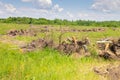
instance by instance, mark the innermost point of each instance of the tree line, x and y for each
(43, 21)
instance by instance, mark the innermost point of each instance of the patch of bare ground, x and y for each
(38, 44)
(112, 72)
(9, 40)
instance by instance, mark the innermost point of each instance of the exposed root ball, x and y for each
(109, 49)
(71, 45)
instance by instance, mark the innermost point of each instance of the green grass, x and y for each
(45, 65)
(48, 64)
(6, 27)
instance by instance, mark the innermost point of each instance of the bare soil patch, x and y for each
(111, 71)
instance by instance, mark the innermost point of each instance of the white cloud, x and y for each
(1, 12)
(70, 15)
(26, 0)
(45, 4)
(57, 8)
(89, 16)
(7, 8)
(32, 11)
(10, 8)
(83, 15)
(97, 16)
(42, 4)
(106, 5)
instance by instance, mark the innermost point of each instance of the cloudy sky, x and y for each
(64, 9)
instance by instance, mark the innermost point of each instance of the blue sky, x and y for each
(99, 10)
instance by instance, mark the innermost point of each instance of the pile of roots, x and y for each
(38, 44)
(21, 32)
(71, 45)
(67, 47)
(110, 72)
(109, 49)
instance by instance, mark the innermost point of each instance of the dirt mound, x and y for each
(71, 45)
(84, 30)
(110, 71)
(92, 30)
(68, 29)
(21, 32)
(38, 44)
(67, 48)
(109, 48)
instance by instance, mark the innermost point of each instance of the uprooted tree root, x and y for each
(109, 49)
(73, 46)
(110, 71)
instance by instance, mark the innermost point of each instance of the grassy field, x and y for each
(48, 64)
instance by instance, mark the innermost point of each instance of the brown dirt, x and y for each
(21, 32)
(10, 40)
(111, 71)
(84, 30)
(38, 44)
